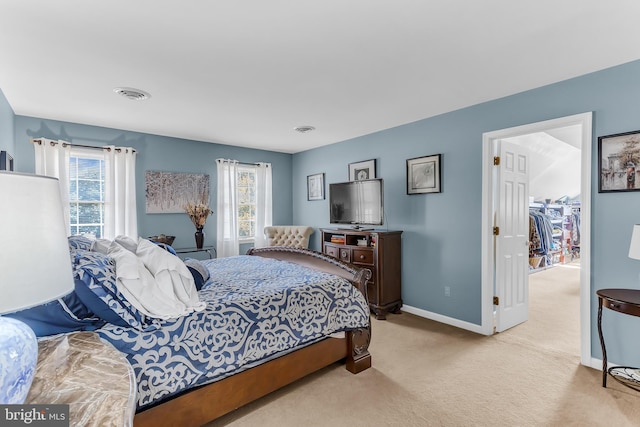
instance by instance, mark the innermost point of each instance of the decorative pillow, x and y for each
(101, 245)
(97, 289)
(80, 242)
(198, 271)
(66, 314)
(127, 242)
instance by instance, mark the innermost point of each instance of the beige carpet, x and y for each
(428, 374)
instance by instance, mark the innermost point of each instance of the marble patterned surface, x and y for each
(90, 375)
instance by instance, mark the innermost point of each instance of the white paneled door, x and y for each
(512, 241)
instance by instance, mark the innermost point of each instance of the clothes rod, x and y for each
(68, 144)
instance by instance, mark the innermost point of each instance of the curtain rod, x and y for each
(243, 163)
(65, 144)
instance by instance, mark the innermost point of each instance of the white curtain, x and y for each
(120, 214)
(263, 202)
(52, 159)
(227, 243)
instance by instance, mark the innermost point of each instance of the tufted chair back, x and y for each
(288, 235)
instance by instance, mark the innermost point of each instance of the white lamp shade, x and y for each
(634, 247)
(35, 266)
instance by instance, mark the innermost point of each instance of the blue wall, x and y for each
(442, 232)
(166, 154)
(6, 125)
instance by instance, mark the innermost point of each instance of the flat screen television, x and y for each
(357, 203)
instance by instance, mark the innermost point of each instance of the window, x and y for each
(86, 193)
(246, 203)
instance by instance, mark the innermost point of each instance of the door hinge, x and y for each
(496, 231)
(496, 160)
(496, 301)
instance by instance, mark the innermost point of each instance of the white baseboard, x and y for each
(444, 319)
(597, 364)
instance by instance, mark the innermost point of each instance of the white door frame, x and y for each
(488, 253)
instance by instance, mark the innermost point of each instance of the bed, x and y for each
(272, 316)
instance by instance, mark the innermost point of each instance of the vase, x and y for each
(18, 358)
(199, 238)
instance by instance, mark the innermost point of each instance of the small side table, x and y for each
(210, 250)
(88, 374)
(625, 301)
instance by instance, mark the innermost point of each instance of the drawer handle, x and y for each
(615, 305)
(343, 253)
(362, 256)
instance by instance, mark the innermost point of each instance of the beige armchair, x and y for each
(288, 235)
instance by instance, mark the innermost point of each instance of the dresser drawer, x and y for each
(345, 254)
(362, 256)
(331, 251)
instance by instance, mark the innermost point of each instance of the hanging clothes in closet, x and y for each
(575, 231)
(541, 234)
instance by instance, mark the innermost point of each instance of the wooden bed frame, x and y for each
(206, 403)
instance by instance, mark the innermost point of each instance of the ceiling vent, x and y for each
(132, 94)
(304, 129)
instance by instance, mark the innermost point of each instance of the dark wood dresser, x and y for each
(379, 251)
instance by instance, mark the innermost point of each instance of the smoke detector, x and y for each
(132, 94)
(304, 129)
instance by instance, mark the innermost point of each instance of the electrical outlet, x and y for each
(447, 291)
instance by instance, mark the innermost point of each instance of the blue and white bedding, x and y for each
(256, 309)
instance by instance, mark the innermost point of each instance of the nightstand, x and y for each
(90, 375)
(625, 301)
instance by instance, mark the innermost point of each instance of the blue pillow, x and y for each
(80, 242)
(66, 314)
(96, 287)
(198, 271)
(166, 247)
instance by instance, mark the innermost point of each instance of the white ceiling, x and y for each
(246, 72)
(554, 162)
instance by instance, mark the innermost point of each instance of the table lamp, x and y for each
(634, 247)
(35, 268)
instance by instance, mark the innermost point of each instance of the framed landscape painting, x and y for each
(619, 162)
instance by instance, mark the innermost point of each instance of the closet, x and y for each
(554, 234)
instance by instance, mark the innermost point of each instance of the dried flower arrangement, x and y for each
(198, 212)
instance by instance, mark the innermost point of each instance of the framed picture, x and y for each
(423, 175)
(169, 192)
(315, 187)
(6, 161)
(362, 170)
(619, 162)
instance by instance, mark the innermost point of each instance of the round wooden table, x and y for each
(625, 301)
